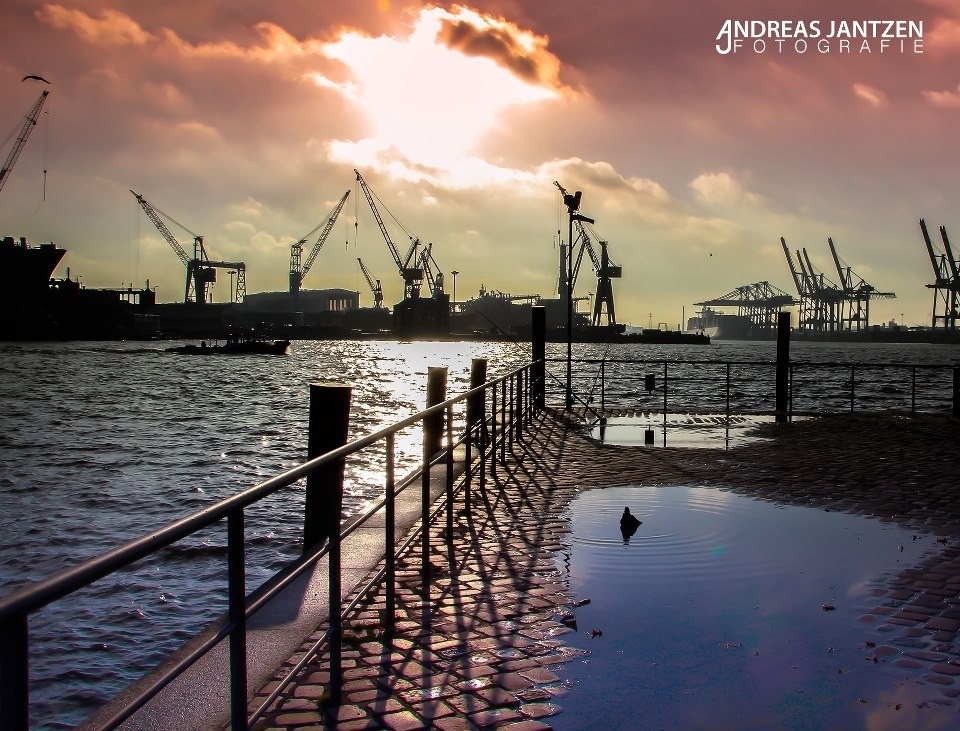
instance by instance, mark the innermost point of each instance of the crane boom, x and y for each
(801, 290)
(375, 288)
(25, 129)
(297, 273)
(154, 214)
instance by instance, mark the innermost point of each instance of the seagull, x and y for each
(34, 76)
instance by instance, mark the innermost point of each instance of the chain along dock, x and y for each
(382, 624)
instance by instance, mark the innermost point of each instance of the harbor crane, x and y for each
(201, 270)
(412, 275)
(431, 271)
(819, 297)
(375, 288)
(604, 268)
(298, 272)
(857, 293)
(946, 285)
(29, 122)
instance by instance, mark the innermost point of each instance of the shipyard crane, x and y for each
(946, 285)
(431, 271)
(602, 266)
(412, 275)
(201, 271)
(29, 122)
(857, 292)
(375, 288)
(298, 272)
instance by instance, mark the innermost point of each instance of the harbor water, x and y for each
(104, 442)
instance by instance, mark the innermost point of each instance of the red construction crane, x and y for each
(201, 271)
(297, 272)
(29, 122)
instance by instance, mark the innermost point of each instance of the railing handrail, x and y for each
(37, 595)
(721, 361)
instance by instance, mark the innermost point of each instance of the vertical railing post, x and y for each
(664, 403)
(14, 673)
(727, 439)
(476, 405)
(783, 366)
(236, 609)
(493, 431)
(328, 425)
(603, 385)
(390, 536)
(538, 346)
(432, 441)
(512, 409)
(852, 385)
(503, 421)
(913, 389)
(449, 480)
(956, 391)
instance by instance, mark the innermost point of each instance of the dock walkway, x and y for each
(477, 647)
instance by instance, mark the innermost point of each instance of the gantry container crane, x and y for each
(946, 285)
(374, 288)
(857, 293)
(298, 272)
(412, 275)
(29, 122)
(201, 271)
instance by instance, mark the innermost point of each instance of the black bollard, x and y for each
(783, 367)
(538, 347)
(329, 421)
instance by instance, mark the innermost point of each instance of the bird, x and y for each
(628, 521)
(34, 76)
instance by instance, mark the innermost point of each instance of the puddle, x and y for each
(723, 611)
(680, 430)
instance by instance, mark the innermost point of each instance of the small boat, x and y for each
(237, 345)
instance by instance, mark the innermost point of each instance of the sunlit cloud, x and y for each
(870, 94)
(432, 96)
(943, 98)
(111, 27)
(721, 189)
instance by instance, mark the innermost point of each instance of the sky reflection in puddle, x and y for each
(713, 617)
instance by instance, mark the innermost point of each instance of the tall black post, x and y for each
(569, 391)
(538, 347)
(329, 420)
(783, 366)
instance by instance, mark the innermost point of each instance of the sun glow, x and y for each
(431, 102)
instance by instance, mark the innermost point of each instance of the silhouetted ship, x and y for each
(35, 306)
(26, 270)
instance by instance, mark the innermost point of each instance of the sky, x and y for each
(244, 122)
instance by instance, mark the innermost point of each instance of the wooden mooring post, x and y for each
(783, 367)
(328, 426)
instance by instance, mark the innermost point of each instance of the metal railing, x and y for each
(749, 387)
(491, 433)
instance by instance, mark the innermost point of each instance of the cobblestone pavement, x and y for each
(478, 647)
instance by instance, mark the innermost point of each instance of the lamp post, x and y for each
(572, 202)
